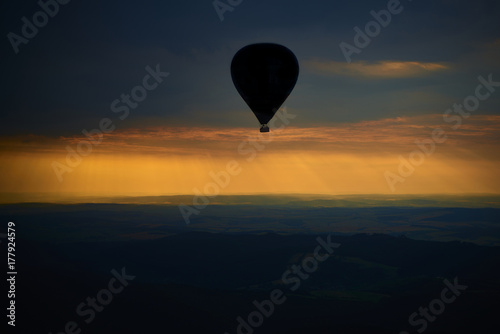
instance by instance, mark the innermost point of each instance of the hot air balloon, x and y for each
(264, 74)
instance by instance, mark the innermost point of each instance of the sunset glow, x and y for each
(343, 159)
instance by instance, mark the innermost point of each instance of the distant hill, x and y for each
(100, 222)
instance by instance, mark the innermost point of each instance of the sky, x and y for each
(347, 128)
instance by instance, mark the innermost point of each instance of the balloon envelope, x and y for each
(264, 75)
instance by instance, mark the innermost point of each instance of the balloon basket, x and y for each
(264, 128)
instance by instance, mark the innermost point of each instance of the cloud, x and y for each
(383, 69)
(388, 134)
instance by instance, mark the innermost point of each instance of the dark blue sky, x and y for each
(91, 52)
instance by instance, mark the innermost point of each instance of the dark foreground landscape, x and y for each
(99, 268)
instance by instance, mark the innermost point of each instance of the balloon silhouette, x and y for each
(264, 75)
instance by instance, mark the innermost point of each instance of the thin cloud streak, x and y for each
(396, 133)
(381, 70)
